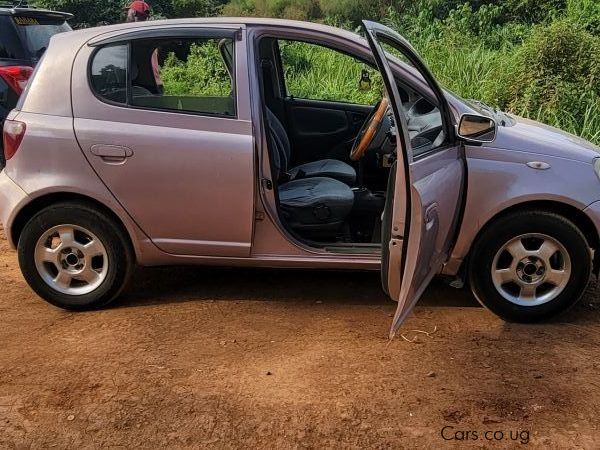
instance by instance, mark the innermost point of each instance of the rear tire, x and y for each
(529, 266)
(74, 256)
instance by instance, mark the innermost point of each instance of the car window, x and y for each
(10, 46)
(316, 72)
(35, 32)
(182, 74)
(109, 73)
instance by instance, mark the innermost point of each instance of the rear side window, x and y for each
(193, 75)
(109, 73)
(183, 75)
(35, 32)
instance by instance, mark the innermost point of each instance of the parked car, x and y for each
(117, 154)
(24, 36)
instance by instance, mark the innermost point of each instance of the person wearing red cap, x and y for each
(138, 11)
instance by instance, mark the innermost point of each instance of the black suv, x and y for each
(24, 35)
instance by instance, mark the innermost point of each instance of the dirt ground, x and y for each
(229, 358)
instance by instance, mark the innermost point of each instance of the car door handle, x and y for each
(431, 215)
(111, 152)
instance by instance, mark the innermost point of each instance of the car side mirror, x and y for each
(476, 128)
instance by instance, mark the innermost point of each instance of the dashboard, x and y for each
(424, 128)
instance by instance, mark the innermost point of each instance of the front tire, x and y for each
(74, 256)
(529, 266)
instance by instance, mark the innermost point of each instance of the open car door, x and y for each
(422, 206)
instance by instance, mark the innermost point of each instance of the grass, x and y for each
(318, 73)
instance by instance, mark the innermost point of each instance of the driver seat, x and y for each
(314, 207)
(330, 168)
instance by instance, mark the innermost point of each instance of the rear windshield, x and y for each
(35, 32)
(10, 45)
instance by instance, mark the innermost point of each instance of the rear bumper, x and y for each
(12, 197)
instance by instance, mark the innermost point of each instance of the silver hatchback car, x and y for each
(191, 142)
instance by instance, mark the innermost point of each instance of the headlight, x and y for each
(597, 167)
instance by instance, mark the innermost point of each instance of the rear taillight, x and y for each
(16, 77)
(12, 136)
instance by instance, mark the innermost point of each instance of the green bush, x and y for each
(554, 77)
(353, 11)
(524, 11)
(289, 9)
(586, 13)
(319, 73)
(202, 74)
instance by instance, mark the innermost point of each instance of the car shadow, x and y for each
(184, 284)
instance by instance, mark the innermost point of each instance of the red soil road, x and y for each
(229, 358)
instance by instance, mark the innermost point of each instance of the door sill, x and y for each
(352, 249)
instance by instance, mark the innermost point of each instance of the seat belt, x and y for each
(267, 70)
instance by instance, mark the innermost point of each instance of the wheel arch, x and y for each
(43, 201)
(570, 212)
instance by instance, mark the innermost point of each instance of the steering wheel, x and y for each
(369, 130)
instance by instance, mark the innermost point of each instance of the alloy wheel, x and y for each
(531, 269)
(71, 259)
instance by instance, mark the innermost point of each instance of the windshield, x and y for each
(501, 118)
(35, 32)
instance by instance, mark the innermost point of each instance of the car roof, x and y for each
(91, 33)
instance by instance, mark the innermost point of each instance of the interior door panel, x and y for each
(418, 231)
(321, 129)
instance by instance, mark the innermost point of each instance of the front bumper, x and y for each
(593, 212)
(12, 198)
(2, 160)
